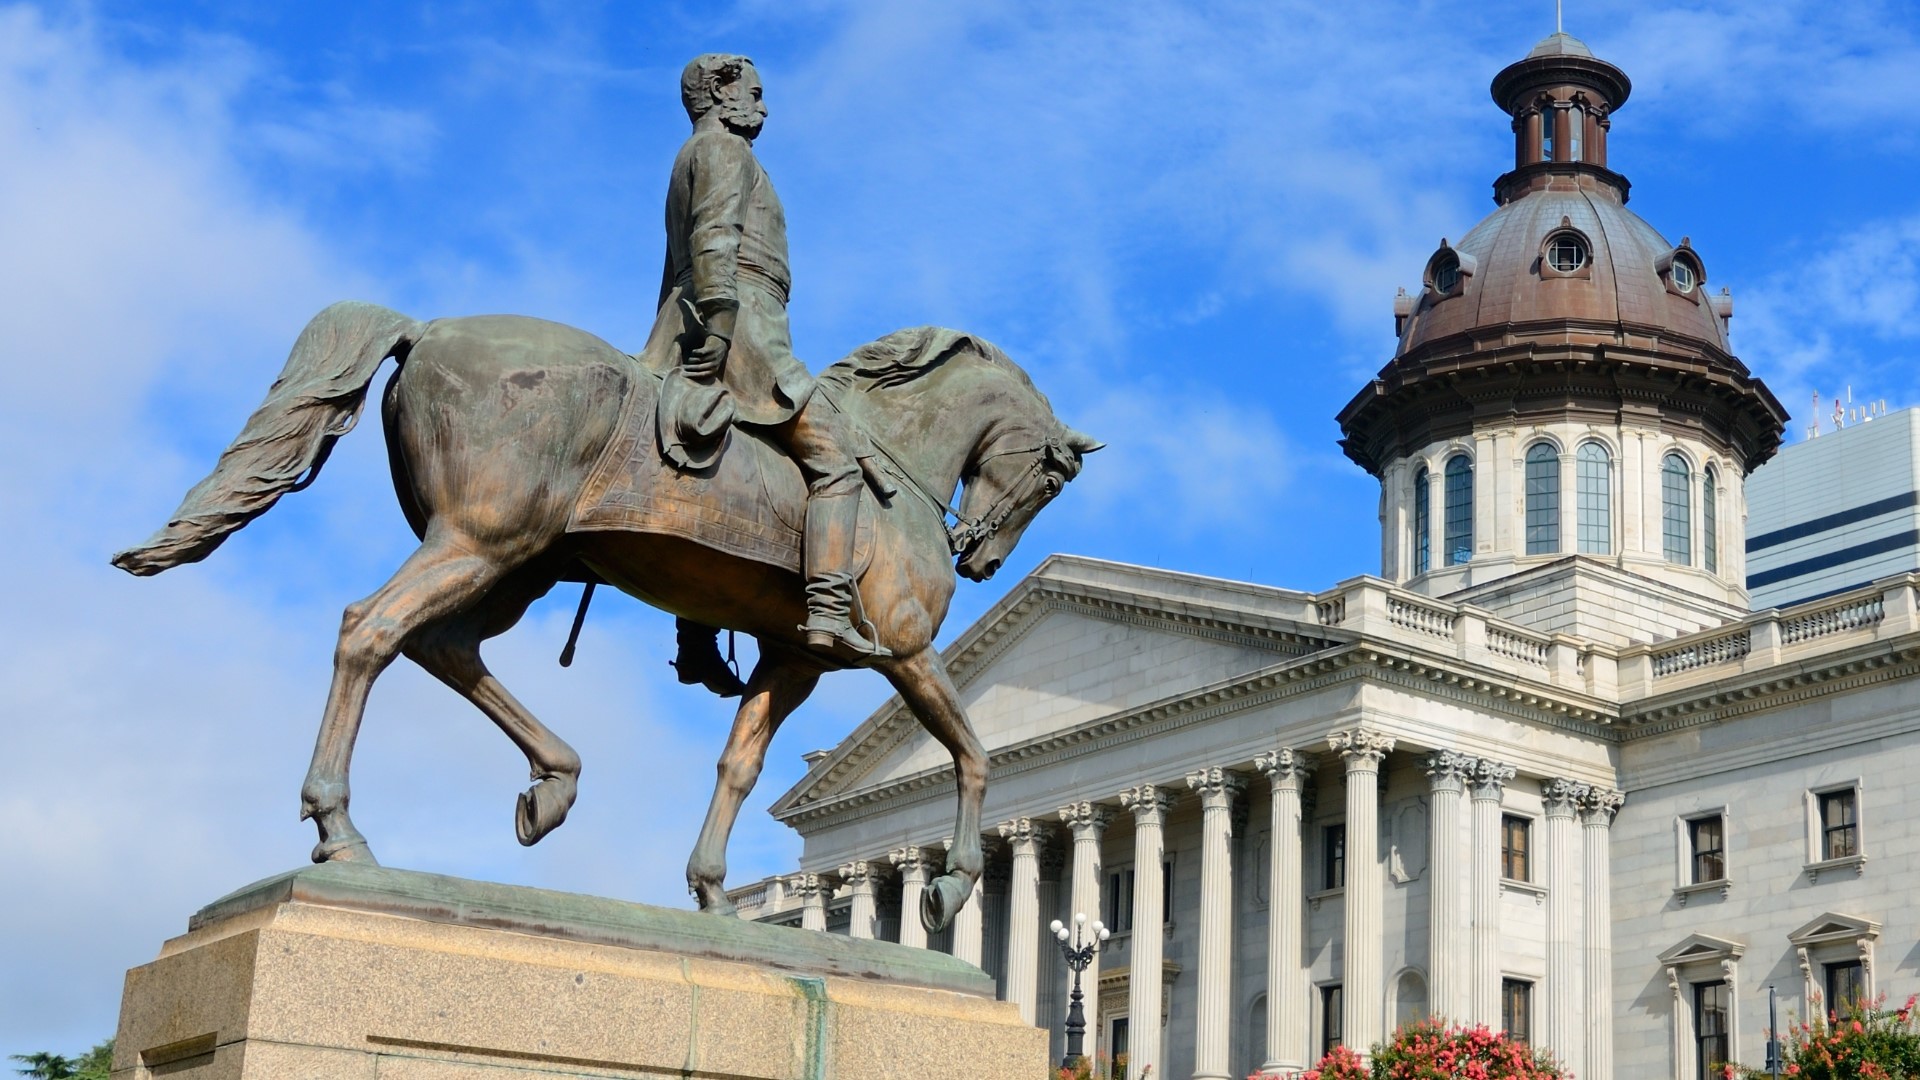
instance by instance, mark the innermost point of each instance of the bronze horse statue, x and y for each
(495, 426)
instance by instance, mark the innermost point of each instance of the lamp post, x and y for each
(1077, 946)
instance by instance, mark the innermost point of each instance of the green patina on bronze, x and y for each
(599, 921)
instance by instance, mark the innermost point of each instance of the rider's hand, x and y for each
(705, 363)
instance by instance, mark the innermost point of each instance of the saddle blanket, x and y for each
(750, 502)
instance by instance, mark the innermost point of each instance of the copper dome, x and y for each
(1562, 303)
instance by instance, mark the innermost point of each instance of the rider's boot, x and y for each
(700, 661)
(831, 520)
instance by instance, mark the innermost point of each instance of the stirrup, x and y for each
(843, 643)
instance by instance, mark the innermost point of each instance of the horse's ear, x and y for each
(1082, 443)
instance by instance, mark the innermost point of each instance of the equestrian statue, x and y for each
(708, 475)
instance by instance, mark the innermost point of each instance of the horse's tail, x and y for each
(316, 399)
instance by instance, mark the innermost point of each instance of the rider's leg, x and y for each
(818, 438)
(699, 660)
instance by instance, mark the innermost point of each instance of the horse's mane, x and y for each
(907, 355)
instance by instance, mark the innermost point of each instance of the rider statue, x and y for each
(727, 258)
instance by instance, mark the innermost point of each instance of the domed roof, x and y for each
(1560, 43)
(1625, 278)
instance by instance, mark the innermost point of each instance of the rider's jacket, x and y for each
(727, 240)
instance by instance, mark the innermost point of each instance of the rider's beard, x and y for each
(743, 120)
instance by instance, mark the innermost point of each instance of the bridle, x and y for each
(968, 533)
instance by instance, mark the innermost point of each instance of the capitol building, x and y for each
(1548, 771)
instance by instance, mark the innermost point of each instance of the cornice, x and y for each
(1775, 687)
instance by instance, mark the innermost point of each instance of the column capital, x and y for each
(1025, 835)
(861, 874)
(807, 886)
(1449, 770)
(1490, 777)
(1086, 819)
(1563, 797)
(1363, 748)
(912, 862)
(1216, 787)
(1149, 803)
(1286, 768)
(1599, 806)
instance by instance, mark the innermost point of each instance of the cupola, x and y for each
(1564, 399)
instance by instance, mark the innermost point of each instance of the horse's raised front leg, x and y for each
(450, 651)
(777, 687)
(922, 681)
(442, 577)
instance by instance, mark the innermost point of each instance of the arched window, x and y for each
(1422, 522)
(1676, 510)
(1458, 543)
(1709, 522)
(1543, 499)
(1576, 132)
(1594, 476)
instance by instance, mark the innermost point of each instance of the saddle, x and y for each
(749, 501)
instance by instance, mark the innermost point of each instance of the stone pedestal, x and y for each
(342, 972)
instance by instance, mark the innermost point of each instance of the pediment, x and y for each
(1834, 927)
(1702, 948)
(1075, 641)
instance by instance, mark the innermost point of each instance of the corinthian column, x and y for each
(1088, 823)
(1562, 798)
(1489, 779)
(1363, 980)
(1219, 791)
(1447, 949)
(859, 877)
(812, 890)
(1287, 1003)
(1596, 818)
(969, 924)
(1023, 918)
(1149, 805)
(912, 863)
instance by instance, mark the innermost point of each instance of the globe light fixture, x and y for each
(1077, 946)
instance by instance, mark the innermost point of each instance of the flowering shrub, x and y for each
(1431, 1050)
(1098, 1067)
(1861, 1042)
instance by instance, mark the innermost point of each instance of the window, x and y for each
(1708, 836)
(1576, 131)
(1839, 824)
(1566, 252)
(1514, 847)
(1516, 1009)
(1846, 986)
(1594, 475)
(1331, 1004)
(1712, 1005)
(1543, 500)
(1333, 857)
(1546, 135)
(1120, 900)
(1459, 539)
(1422, 521)
(1683, 276)
(1446, 274)
(1676, 511)
(1709, 521)
(1117, 1046)
(1166, 891)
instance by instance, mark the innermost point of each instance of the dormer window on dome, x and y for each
(1681, 271)
(1448, 271)
(1566, 252)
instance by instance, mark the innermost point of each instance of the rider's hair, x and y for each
(703, 74)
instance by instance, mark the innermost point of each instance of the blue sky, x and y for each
(1187, 221)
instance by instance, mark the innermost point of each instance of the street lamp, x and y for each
(1077, 945)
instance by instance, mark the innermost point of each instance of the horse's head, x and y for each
(1019, 469)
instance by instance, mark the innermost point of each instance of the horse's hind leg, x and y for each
(921, 679)
(776, 688)
(443, 576)
(450, 651)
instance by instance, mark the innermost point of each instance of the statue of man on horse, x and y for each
(727, 276)
(708, 475)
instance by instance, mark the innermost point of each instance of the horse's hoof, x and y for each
(351, 849)
(542, 807)
(942, 900)
(721, 906)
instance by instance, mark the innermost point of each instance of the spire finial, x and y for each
(1559, 26)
